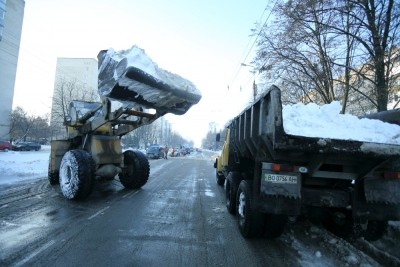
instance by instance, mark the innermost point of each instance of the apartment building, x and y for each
(11, 19)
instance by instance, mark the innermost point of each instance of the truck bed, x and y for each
(258, 133)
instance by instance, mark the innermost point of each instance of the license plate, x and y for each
(280, 179)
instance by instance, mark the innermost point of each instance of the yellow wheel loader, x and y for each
(92, 150)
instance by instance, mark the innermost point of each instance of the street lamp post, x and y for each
(254, 81)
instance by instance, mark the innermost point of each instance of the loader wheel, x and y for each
(77, 174)
(375, 230)
(231, 187)
(136, 171)
(250, 221)
(53, 176)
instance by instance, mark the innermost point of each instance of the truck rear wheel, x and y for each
(250, 221)
(231, 187)
(76, 174)
(136, 170)
(218, 175)
(220, 178)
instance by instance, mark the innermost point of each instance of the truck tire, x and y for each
(53, 176)
(340, 223)
(274, 225)
(220, 178)
(250, 221)
(136, 170)
(231, 187)
(218, 175)
(77, 174)
(375, 230)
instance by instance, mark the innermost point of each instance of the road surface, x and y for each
(177, 219)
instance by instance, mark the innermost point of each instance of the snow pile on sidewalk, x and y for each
(326, 121)
(18, 166)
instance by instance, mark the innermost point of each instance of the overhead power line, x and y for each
(254, 42)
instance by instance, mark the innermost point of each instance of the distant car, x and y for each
(155, 152)
(176, 152)
(26, 146)
(5, 146)
(184, 151)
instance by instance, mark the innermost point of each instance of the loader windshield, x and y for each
(82, 108)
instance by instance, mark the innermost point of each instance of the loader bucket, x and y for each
(131, 77)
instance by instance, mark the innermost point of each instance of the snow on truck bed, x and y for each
(326, 121)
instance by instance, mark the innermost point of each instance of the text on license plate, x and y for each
(281, 179)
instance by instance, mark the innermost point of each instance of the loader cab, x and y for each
(81, 113)
(79, 110)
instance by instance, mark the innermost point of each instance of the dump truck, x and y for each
(134, 92)
(272, 177)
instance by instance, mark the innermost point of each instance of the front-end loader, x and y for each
(92, 150)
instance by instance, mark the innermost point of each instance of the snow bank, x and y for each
(326, 121)
(19, 166)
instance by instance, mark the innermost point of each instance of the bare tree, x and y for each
(377, 35)
(329, 50)
(25, 127)
(150, 134)
(19, 124)
(298, 52)
(142, 136)
(39, 128)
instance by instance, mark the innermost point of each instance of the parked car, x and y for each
(5, 146)
(26, 146)
(155, 152)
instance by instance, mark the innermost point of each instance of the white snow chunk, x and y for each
(136, 57)
(318, 254)
(326, 121)
(351, 259)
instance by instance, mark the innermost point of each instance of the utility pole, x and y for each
(254, 79)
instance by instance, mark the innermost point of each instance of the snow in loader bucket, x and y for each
(131, 77)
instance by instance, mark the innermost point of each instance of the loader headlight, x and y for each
(68, 118)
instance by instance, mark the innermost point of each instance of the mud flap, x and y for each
(382, 190)
(286, 185)
(377, 199)
(280, 193)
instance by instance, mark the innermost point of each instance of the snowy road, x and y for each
(177, 219)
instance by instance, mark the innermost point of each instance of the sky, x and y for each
(202, 41)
